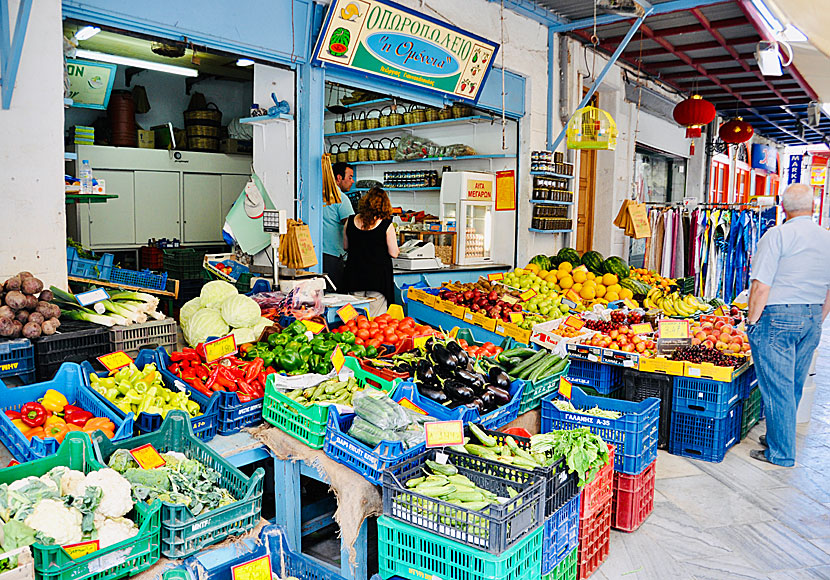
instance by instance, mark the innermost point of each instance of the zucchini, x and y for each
(521, 352)
(540, 370)
(514, 372)
(555, 369)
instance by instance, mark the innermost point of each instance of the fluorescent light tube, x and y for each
(87, 32)
(244, 62)
(127, 61)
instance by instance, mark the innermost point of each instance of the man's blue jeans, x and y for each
(783, 341)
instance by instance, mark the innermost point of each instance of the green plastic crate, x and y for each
(413, 553)
(564, 570)
(182, 533)
(752, 411)
(126, 558)
(535, 391)
(183, 263)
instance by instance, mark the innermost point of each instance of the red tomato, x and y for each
(462, 343)
(373, 326)
(364, 334)
(359, 341)
(392, 338)
(498, 350)
(375, 342)
(488, 345)
(382, 318)
(409, 320)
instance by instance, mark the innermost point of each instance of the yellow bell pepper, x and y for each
(54, 420)
(54, 401)
(24, 428)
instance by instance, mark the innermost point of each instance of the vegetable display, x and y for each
(142, 391)
(531, 365)
(218, 310)
(329, 392)
(584, 452)
(179, 481)
(509, 452)
(442, 481)
(53, 416)
(26, 309)
(382, 329)
(379, 418)
(123, 308)
(245, 378)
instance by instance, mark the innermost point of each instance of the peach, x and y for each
(725, 337)
(720, 324)
(695, 341)
(727, 328)
(701, 336)
(706, 325)
(709, 344)
(745, 347)
(734, 348)
(736, 340)
(720, 345)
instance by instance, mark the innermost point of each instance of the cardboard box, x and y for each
(662, 366)
(146, 139)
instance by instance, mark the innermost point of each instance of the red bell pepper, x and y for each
(76, 416)
(253, 369)
(197, 384)
(243, 398)
(12, 415)
(33, 414)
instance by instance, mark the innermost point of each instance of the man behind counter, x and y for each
(334, 220)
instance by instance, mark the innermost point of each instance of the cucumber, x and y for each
(555, 369)
(542, 362)
(527, 363)
(521, 352)
(541, 369)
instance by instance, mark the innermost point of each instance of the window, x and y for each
(719, 182)
(742, 175)
(660, 177)
(760, 184)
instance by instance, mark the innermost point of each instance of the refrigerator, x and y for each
(467, 205)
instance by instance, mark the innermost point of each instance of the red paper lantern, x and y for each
(694, 113)
(736, 131)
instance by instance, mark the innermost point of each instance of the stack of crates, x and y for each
(753, 409)
(604, 379)
(595, 507)
(184, 265)
(639, 386)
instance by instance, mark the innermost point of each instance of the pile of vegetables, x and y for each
(142, 391)
(487, 349)
(218, 310)
(329, 392)
(444, 373)
(442, 481)
(568, 407)
(508, 452)
(26, 309)
(585, 453)
(378, 418)
(179, 481)
(531, 365)
(124, 307)
(53, 416)
(245, 378)
(13, 535)
(383, 329)
(65, 506)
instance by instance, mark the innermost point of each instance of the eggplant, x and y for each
(478, 405)
(425, 372)
(432, 393)
(444, 372)
(444, 358)
(457, 391)
(502, 396)
(473, 380)
(454, 347)
(404, 367)
(462, 360)
(498, 378)
(488, 399)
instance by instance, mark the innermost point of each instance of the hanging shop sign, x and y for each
(818, 175)
(506, 190)
(794, 171)
(764, 157)
(385, 39)
(90, 83)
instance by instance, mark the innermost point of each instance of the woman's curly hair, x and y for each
(375, 205)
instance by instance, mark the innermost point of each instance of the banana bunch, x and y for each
(673, 305)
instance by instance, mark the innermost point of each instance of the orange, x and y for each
(566, 282)
(579, 276)
(609, 279)
(626, 293)
(588, 293)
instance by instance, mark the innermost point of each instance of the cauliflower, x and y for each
(117, 499)
(71, 481)
(114, 530)
(33, 484)
(54, 520)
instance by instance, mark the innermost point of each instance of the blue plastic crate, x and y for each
(17, 359)
(561, 535)
(204, 426)
(699, 437)
(602, 377)
(635, 434)
(143, 279)
(272, 541)
(749, 380)
(232, 414)
(90, 269)
(706, 397)
(368, 462)
(69, 382)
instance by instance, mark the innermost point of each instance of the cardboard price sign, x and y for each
(257, 569)
(147, 456)
(115, 360)
(527, 295)
(495, 277)
(92, 296)
(565, 387)
(516, 317)
(81, 549)
(313, 327)
(220, 348)
(444, 433)
(411, 406)
(574, 322)
(644, 328)
(673, 328)
(337, 359)
(347, 313)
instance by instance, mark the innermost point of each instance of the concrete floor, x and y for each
(740, 518)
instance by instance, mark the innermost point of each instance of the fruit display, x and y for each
(26, 309)
(702, 354)
(491, 303)
(486, 349)
(652, 278)
(53, 416)
(716, 333)
(675, 305)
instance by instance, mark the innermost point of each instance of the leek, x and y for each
(87, 315)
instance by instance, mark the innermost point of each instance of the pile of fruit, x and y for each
(382, 330)
(652, 278)
(701, 354)
(491, 304)
(675, 305)
(622, 338)
(487, 349)
(718, 334)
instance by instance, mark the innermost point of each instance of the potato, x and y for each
(18, 329)
(31, 302)
(50, 326)
(12, 283)
(16, 300)
(56, 311)
(6, 312)
(6, 327)
(22, 316)
(32, 330)
(44, 308)
(31, 285)
(24, 274)
(37, 317)
(46, 296)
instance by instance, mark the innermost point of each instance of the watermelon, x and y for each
(636, 286)
(593, 261)
(617, 266)
(542, 261)
(569, 255)
(554, 261)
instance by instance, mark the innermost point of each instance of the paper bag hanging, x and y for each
(296, 248)
(622, 215)
(640, 226)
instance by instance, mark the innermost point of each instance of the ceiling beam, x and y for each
(675, 30)
(664, 8)
(693, 73)
(703, 45)
(704, 60)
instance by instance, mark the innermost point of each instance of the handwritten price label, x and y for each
(92, 296)
(220, 348)
(258, 569)
(337, 359)
(444, 433)
(674, 328)
(147, 456)
(574, 322)
(565, 387)
(115, 360)
(499, 276)
(313, 327)
(81, 549)
(346, 313)
(527, 294)
(516, 317)
(411, 406)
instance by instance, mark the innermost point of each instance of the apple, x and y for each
(734, 348)
(614, 334)
(614, 346)
(734, 311)
(624, 340)
(640, 346)
(624, 329)
(628, 347)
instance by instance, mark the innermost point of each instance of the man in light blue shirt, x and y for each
(788, 301)
(334, 220)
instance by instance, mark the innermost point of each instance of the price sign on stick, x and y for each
(644, 328)
(673, 328)
(574, 322)
(313, 327)
(444, 433)
(565, 387)
(527, 294)
(257, 569)
(147, 456)
(220, 348)
(346, 313)
(92, 296)
(337, 359)
(498, 276)
(81, 549)
(115, 360)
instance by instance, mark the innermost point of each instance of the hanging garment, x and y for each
(668, 244)
(658, 242)
(679, 256)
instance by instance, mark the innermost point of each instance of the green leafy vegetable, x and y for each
(584, 452)
(568, 407)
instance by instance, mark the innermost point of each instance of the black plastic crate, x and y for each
(75, 341)
(639, 386)
(183, 263)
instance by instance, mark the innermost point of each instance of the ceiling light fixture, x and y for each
(244, 62)
(86, 32)
(146, 64)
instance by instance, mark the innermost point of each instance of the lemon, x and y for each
(592, 276)
(551, 278)
(565, 267)
(611, 296)
(579, 276)
(609, 279)
(542, 273)
(626, 293)
(566, 282)
(533, 268)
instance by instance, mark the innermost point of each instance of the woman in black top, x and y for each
(372, 243)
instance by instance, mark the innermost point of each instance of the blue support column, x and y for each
(551, 70)
(10, 52)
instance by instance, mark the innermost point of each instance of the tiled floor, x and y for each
(740, 518)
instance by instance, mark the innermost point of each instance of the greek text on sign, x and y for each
(444, 433)
(220, 348)
(480, 189)
(347, 312)
(574, 322)
(495, 277)
(257, 569)
(385, 39)
(337, 359)
(81, 549)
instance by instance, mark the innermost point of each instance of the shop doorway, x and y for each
(587, 194)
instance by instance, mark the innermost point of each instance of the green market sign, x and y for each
(90, 83)
(385, 39)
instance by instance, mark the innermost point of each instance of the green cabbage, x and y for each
(239, 311)
(188, 309)
(205, 323)
(243, 335)
(261, 325)
(214, 293)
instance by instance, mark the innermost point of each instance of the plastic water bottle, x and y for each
(86, 178)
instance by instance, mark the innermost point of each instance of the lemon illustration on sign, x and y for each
(339, 42)
(96, 82)
(350, 12)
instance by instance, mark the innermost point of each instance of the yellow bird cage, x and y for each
(592, 128)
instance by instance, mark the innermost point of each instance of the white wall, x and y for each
(33, 236)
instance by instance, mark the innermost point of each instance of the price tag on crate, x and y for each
(574, 322)
(497, 277)
(673, 328)
(565, 387)
(337, 359)
(516, 317)
(404, 402)
(420, 341)
(569, 303)
(644, 328)
(313, 327)
(147, 456)
(257, 569)
(444, 433)
(115, 360)
(346, 313)
(92, 296)
(527, 295)
(220, 348)
(509, 299)
(81, 549)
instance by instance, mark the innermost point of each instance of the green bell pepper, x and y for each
(371, 351)
(293, 345)
(305, 352)
(322, 346)
(358, 350)
(268, 357)
(290, 360)
(296, 328)
(347, 337)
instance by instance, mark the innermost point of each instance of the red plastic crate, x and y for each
(594, 540)
(600, 491)
(633, 499)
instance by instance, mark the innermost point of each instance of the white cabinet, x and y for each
(232, 186)
(156, 205)
(202, 201)
(111, 223)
